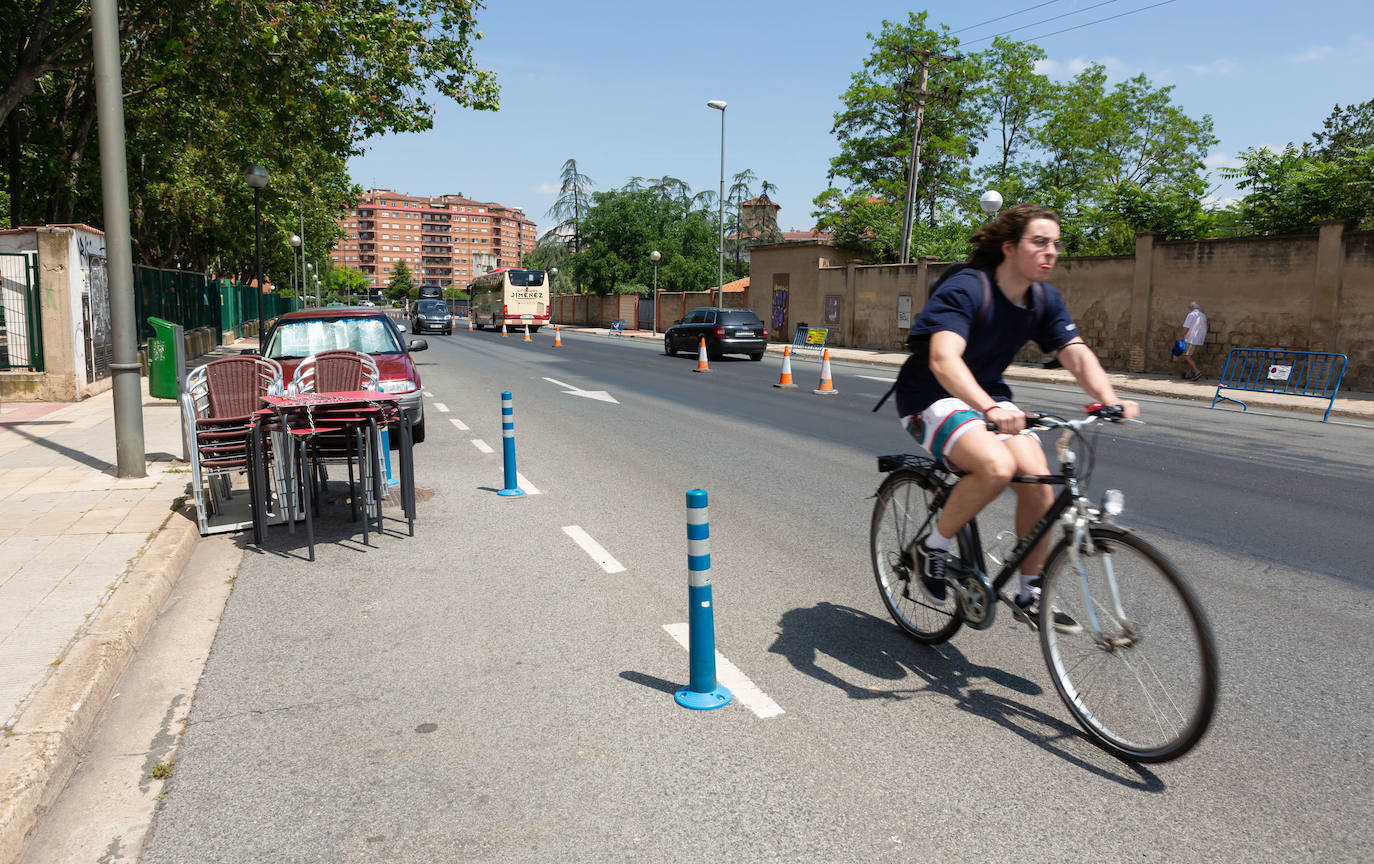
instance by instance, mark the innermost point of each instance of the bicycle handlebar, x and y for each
(1096, 411)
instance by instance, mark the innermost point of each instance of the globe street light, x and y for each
(991, 202)
(296, 282)
(256, 176)
(719, 105)
(653, 325)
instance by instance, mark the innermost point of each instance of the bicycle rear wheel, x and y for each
(1140, 673)
(899, 517)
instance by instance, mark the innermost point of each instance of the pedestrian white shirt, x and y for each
(1196, 323)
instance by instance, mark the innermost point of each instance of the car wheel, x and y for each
(668, 346)
(417, 431)
(758, 356)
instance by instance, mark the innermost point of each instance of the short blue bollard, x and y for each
(386, 458)
(512, 488)
(702, 692)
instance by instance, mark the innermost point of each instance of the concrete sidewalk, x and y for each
(1358, 406)
(86, 562)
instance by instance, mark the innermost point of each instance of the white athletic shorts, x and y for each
(944, 421)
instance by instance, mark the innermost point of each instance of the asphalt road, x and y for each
(489, 691)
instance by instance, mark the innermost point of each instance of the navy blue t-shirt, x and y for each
(994, 342)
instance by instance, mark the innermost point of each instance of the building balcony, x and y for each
(367, 258)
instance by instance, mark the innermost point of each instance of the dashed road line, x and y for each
(525, 484)
(462, 427)
(482, 445)
(594, 549)
(727, 673)
(441, 407)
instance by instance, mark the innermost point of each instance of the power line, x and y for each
(1108, 18)
(1004, 17)
(1046, 21)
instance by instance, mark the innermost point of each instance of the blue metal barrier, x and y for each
(617, 327)
(1317, 374)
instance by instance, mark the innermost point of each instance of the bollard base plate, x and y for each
(717, 698)
(511, 493)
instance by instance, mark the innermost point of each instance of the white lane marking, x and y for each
(727, 673)
(877, 378)
(462, 427)
(599, 395)
(482, 445)
(525, 484)
(441, 407)
(594, 549)
(429, 394)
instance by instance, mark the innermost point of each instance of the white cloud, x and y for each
(1221, 160)
(1222, 67)
(547, 188)
(1117, 69)
(1311, 55)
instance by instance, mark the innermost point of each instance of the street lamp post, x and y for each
(991, 202)
(297, 282)
(719, 105)
(653, 325)
(256, 176)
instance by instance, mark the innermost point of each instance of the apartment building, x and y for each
(445, 240)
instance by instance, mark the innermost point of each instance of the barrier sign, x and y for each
(809, 339)
(1279, 373)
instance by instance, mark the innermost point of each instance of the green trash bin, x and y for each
(166, 359)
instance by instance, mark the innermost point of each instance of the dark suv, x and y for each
(431, 315)
(726, 331)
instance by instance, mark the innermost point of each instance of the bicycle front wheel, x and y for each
(1138, 667)
(900, 517)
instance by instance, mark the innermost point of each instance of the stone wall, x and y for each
(1311, 292)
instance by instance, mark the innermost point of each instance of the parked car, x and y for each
(727, 331)
(431, 315)
(296, 335)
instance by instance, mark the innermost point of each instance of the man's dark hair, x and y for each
(1008, 227)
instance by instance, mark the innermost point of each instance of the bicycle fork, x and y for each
(1077, 523)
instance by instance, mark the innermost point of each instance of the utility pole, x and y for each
(914, 169)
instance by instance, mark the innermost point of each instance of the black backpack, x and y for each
(920, 344)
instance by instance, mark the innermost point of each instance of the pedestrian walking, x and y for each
(1194, 334)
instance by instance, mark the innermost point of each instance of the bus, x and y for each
(510, 296)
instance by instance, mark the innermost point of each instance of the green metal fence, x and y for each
(21, 322)
(189, 299)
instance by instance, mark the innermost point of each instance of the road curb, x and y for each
(39, 754)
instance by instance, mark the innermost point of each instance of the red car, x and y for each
(296, 335)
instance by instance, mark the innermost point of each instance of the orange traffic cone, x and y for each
(826, 388)
(503, 328)
(557, 337)
(701, 358)
(469, 323)
(527, 332)
(786, 379)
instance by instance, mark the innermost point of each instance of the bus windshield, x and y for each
(526, 278)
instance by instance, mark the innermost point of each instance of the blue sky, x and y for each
(622, 86)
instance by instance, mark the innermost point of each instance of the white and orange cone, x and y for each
(701, 358)
(469, 322)
(557, 337)
(503, 328)
(827, 388)
(527, 332)
(785, 380)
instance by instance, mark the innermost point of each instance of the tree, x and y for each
(623, 226)
(401, 283)
(345, 283)
(1343, 131)
(1015, 98)
(207, 86)
(876, 124)
(573, 200)
(1289, 193)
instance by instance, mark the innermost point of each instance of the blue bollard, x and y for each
(512, 489)
(702, 692)
(386, 458)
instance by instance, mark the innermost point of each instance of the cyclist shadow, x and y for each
(878, 649)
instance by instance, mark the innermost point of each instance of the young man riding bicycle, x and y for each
(962, 342)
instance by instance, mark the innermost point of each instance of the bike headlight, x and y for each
(397, 385)
(1113, 502)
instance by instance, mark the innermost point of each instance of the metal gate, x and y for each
(95, 319)
(21, 326)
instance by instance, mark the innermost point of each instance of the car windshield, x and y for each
(744, 319)
(303, 337)
(425, 306)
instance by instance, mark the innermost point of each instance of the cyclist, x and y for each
(962, 343)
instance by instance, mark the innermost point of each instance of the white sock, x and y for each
(936, 540)
(1028, 590)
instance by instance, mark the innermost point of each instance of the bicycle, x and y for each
(1135, 661)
